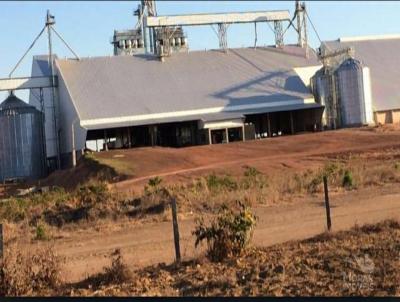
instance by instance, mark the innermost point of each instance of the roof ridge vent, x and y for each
(369, 38)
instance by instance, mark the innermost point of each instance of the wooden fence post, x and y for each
(328, 209)
(176, 230)
(1, 241)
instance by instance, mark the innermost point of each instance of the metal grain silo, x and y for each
(349, 77)
(22, 149)
(324, 89)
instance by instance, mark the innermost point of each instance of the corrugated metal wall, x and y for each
(22, 151)
(349, 77)
(323, 83)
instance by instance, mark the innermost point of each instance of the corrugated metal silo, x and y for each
(22, 149)
(324, 90)
(351, 92)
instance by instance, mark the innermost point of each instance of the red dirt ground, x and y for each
(297, 152)
(87, 250)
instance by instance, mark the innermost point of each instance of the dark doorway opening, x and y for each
(285, 122)
(218, 136)
(235, 134)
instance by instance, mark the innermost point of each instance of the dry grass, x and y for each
(347, 172)
(95, 201)
(116, 273)
(363, 262)
(25, 273)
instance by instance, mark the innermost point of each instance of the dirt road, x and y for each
(87, 251)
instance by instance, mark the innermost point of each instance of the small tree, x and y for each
(347, 179)
(153, 185)
(229, 233)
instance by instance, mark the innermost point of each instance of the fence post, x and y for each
(176, 230)
(1, 241)
(328, 209)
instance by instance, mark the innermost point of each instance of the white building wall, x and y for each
(65, 111)
(69, 119)
(40, 68)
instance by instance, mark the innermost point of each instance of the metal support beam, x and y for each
(73, 143)
(26, 83)
(49, 23)
(305, 33)
(255, 34)
(209, 19)
(129, 138)
(291, 122)
(302, 25)
(299, 13)
(222, 36)
(105, 141)
(278, 29)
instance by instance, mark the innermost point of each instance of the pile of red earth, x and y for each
(363, 261)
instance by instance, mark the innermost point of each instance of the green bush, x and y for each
(216, 183)
(153, 186)
(251, 172)
(315, 183)
(330, 170)
(14, 209)
(347, 181)
(253, 179)
(93, 193)
(155, 181)
(228, 234)
(41, 233)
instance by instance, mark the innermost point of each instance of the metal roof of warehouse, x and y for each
(382, 57)
(107, 91)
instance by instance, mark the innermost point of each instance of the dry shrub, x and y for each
(155, 200)
(372, 172)
(349, 171)
(93, 193)
(116, 273)
(29, 273)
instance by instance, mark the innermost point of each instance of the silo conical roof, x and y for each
(350, 64)
(13, 105)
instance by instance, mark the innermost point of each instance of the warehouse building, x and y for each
(200, 97)
(154, 92)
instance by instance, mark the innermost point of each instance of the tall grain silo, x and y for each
(349, 76)
(324, 89)
(22, 147)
